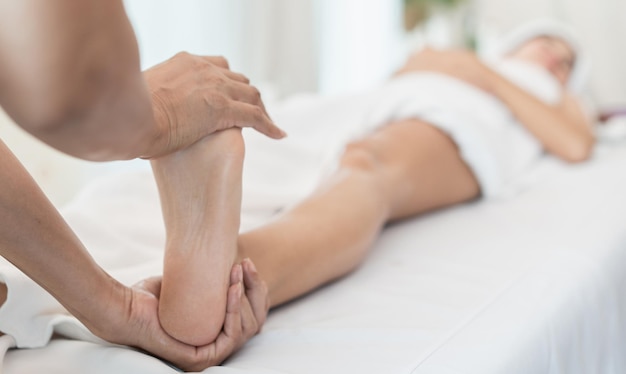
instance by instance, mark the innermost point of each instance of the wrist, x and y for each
(105, 313)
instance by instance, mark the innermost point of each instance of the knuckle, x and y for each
(257, 113)
(256, 94)
(218, 103)
(221, 61)
(252, 330)
(182, 55)
(212, 79)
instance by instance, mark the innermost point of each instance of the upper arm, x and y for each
(55, 56)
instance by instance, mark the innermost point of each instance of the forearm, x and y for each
(200, 191)
(565, 136)
(35, 238)
(71, 77)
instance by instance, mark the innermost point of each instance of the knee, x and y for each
(361, 156)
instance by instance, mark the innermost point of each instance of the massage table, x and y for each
(530, 284)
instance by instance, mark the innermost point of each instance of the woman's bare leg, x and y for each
(401, 170)
(200, 190)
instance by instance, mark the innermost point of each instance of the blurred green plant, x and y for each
(417, 11)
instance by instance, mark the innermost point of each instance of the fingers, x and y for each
(246, 93)
(246, 310)
(253, 115)
(222, 63)
(248, 115)
(254, 301)
(240, 323)
(195, 96)
(217, 60)
(236, 274)
(249, 324)
(241, 90)
(229, 340)
(236, 76)
(232, 323)
(256, 291)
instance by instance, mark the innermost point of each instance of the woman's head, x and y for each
(550, 44)
(550, 52)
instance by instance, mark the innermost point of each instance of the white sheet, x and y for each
(534, 284)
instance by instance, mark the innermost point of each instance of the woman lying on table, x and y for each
(447, 129)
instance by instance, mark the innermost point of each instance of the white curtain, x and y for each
(270, 41)
(360, 42)
(328, 46)
(165, 27)
(279, 45)
(286, 45)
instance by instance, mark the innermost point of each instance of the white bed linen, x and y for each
(534, 284)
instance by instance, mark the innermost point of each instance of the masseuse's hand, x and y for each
(461, 64)
(193, 96)
(247, 308)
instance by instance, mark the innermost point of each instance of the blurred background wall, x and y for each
(328, 47)
(599, 23)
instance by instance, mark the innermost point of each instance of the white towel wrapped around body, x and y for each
(495, 146)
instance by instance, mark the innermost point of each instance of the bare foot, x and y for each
(200, 190)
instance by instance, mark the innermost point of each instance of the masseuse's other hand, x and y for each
(461, 64)
(193, 96)
(246, 311)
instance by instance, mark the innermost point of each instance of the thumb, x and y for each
(151, 285)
